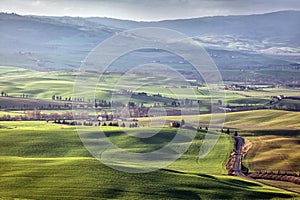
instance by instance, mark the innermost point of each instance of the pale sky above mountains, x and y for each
(146, 10)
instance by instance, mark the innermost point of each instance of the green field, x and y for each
(46, 161)
(284, 184)
(274, 134)
(40, 160)
(42, 85)
(247, 121)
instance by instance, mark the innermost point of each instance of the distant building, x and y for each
(139, 112)
(239, 87)
(105, 117)
(157, 95)
(279, 97)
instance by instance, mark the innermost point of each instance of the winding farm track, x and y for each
(238, 147)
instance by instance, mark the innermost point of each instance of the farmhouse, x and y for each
(139, 112)
(105, 117)
(279, 97)
(239, 87)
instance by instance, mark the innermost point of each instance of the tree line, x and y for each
(4, 94)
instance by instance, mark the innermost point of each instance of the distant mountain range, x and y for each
(61, 43)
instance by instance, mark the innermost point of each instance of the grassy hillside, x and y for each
(213, 163)
(274, 135)
(72, 178)
(248, 121)
(263, 119)
(284, 184)
(42, 85)
(40, 160)
(275, 149)
(274, 153)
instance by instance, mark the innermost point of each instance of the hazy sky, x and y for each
(146, 10)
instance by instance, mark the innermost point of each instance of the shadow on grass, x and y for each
(173, 171)
(111, 193)
(241, 183)
(3, 126)
(182, 194)
(232, 182)
(208, 176)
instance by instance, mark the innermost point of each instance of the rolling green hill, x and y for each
(274, 153)
(42, 85)
(40, 160)
(246, 121)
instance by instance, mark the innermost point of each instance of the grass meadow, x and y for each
(40, 160)
(42, 85)
(46, 161)
(246, 121)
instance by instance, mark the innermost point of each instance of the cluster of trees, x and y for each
(91, 123)
(287, 106)
(4, 94)
(102, 103)
(90, 103)
(73, 123)
(131, 104)
(57, 106)
(18, 118)
(37, 115)
(24, 96)
(60, 98)
(111, 124)
(39, 106)
(189, 102)
(200, 128)
(292, 177)
(59, 121)
(184, 103)
(9, 118)
(227, 131)
(133, 125)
